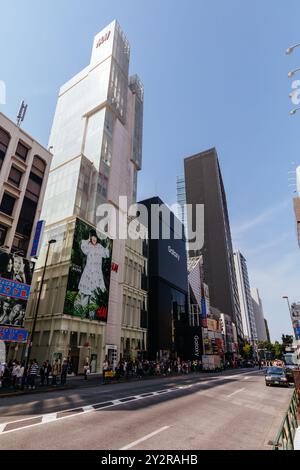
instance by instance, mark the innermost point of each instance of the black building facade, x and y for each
(168, 285)
(204, 185)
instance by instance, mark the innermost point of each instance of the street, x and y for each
(232, 410)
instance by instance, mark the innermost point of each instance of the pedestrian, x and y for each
(15, 370)
(64, 371)
(48, 370)
(105, 368)
(56, 371)
(20, 376)
(86, 369)
(33, 370)
(42, 374)
(2, 369)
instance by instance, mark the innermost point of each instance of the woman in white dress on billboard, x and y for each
(92, 276)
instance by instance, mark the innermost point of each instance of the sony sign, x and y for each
(173, 253)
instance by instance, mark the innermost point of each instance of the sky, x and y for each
(215, 75)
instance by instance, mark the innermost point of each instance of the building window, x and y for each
(38, 166)
(7, 204)
(4, 141)
(27, 216)
(3, 233)
(15, 176)
(22, 151)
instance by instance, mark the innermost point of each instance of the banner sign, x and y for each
(14, 289)
(87, 293)
(37, 238)
(13, 335)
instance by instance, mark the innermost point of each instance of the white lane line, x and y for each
(234, 393)
(142, 439)
(88, 408)
(48, 418)
(246, 378)
(2, 426)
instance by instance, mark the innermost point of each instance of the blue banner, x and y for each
(203, 309)
(13, 335)
(14, 289)
(37, 238)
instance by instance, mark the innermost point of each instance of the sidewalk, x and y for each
(73, 382)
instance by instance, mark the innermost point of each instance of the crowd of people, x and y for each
(15, 375)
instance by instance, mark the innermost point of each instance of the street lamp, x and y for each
(50, 242)
(289, 50)
(294, 111)
(292, 72)
(288, 302)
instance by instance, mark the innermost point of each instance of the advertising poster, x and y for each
(15, 280)
(89, 274)
(295, 317)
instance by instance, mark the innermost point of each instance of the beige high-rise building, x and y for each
(24, 170)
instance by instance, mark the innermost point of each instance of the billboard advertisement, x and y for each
(295, 317)
(89, 274)
(15, 280)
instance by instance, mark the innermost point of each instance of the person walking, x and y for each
(56, 371)
(48, 370)
(105, 368)
(86, 369)
(64, 371)
(34, 367)
(20, 376)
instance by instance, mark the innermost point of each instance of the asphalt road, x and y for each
(232, 410)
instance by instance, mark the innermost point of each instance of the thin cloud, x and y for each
(260, 219)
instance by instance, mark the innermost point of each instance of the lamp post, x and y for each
(290, 49)
(292, 72)
(50, 242)
(288, 302)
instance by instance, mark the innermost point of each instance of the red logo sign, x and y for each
(114, 267)
(103, 39)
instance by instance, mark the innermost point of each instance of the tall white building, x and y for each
(96, 140)
(244, 292)
(259, 315)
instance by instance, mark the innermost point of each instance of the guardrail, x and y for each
(286, 434)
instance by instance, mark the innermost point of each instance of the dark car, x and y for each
(276, 376)
(247, 363)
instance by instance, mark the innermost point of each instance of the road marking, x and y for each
(234, 393)
(48, 418)
(2, 426)
(246, 378)
(88, 408)
(142, 439)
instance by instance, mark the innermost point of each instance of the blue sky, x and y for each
(215, 74)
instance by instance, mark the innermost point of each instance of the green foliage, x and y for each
(278, 350)
(247, 351)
